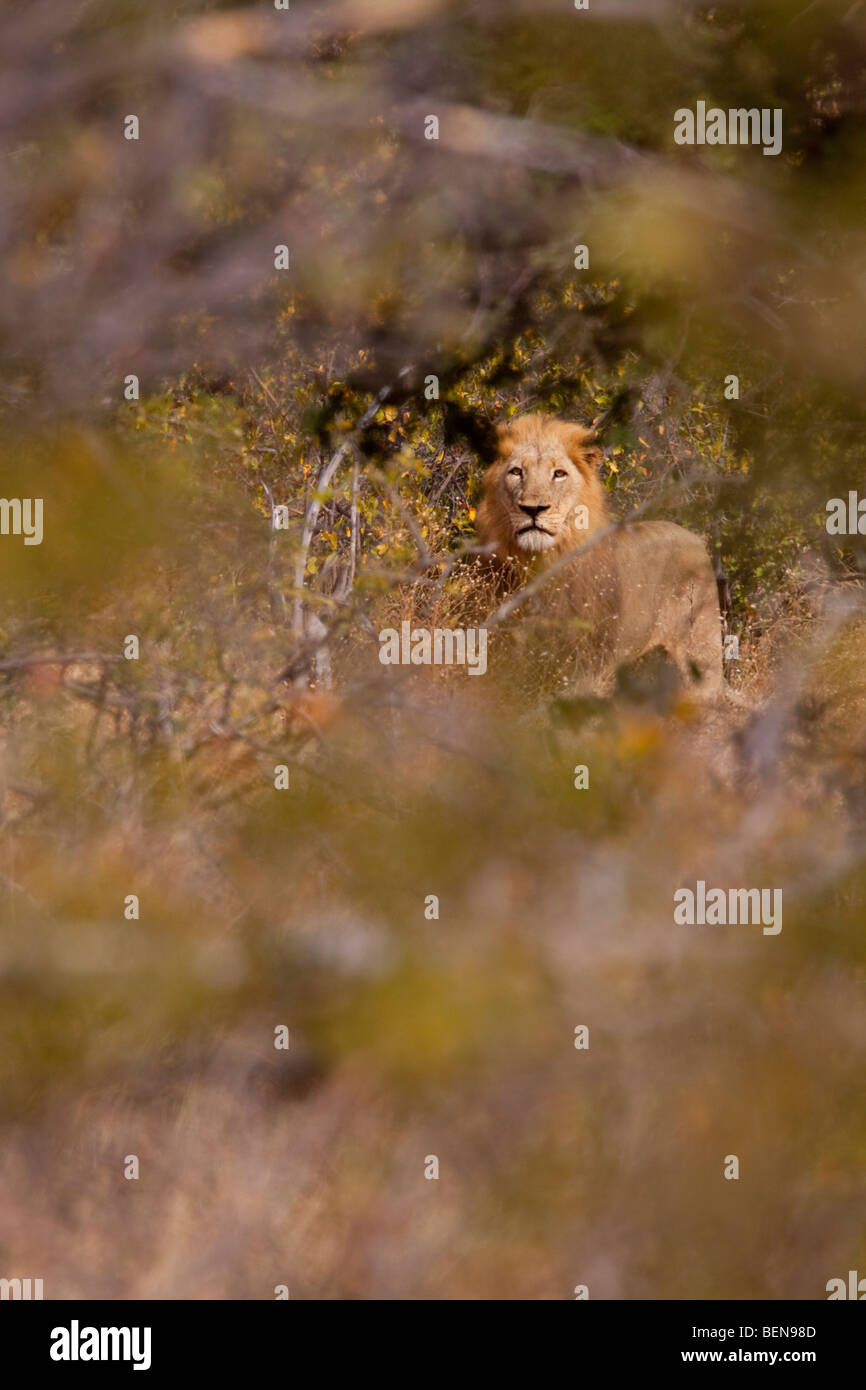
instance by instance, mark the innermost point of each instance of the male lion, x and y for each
(636, 588)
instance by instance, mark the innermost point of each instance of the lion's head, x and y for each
(543, 494)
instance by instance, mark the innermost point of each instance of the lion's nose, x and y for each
(533, 511)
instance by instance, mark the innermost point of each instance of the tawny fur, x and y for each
(635, 589)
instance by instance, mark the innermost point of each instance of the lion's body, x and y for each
(634, 589)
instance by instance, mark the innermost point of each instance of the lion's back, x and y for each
(645, 585)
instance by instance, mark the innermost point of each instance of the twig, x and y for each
(323, 481)
(276, 597)
(20, 663)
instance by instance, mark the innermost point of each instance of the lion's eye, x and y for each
(515, 472)
(559, 473)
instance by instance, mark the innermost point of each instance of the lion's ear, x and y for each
(504, 440)
(581, 447)
(594, 456)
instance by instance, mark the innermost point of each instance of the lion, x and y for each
(633, 589)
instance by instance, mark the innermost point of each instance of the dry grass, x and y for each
(453, 1037)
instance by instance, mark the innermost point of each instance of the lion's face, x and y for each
(540, 487)
(542, 494)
